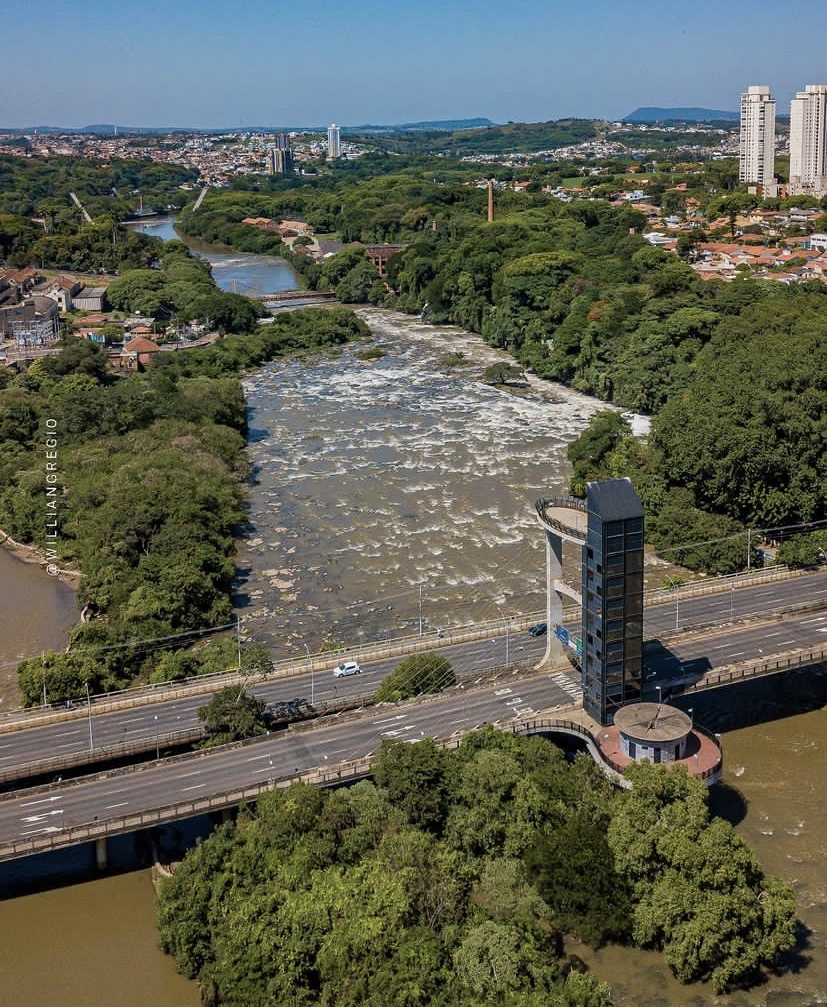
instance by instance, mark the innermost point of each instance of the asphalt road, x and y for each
(477, 700)
(157, 784)
(667, 658)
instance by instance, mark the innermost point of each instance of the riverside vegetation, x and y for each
(731, 373)
(451, 878)
(151, 473)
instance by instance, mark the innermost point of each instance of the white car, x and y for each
(346, 668)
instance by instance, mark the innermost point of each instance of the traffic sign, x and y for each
(562, 635)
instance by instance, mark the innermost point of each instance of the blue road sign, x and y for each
(562, 635)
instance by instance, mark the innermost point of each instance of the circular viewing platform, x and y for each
(565, 516)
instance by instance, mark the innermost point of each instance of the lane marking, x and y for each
(195, 787)
(123, 804)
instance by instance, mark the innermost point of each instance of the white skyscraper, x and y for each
(757, 151)
(808, 142)
(334, 146)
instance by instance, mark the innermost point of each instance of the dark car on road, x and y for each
(539, 630)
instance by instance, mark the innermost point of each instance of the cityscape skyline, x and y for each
(219, 66)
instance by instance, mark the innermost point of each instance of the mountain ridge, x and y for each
(691, 114)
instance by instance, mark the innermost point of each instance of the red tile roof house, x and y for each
(137, 353)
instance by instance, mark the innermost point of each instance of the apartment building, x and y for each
(756, 164)
(808, 142)
(334, 142)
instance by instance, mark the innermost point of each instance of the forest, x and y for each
(41, 226)
(453, 877)
(151, 478)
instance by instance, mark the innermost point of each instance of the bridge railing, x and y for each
(203, 685)
(787, 661)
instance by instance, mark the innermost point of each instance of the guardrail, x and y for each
(103, 753)
(291, 667)
(755, 669)
(345, 772)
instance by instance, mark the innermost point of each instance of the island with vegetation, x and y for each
(456, 878)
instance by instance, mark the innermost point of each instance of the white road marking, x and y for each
(123, 804)
(390, 720)
(503, 692)
(43, 800)
(195, 787)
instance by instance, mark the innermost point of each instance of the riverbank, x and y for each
(36, 556)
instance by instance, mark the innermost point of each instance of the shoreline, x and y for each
(32, 555)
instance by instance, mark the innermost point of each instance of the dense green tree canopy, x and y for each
(358, 896)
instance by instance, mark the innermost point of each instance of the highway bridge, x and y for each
(705, 639)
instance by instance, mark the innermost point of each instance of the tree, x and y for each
(503, 374)
(414, 777)
(415, 675)
(804, 550)
(232, 715)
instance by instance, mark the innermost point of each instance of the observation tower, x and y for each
(608, 527)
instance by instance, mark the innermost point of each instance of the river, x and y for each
(36, 613)
(238, 272)
(390, 493)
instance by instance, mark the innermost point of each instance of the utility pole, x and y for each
(420, 610)
(238, 640)
(89, 706)
(749, 549)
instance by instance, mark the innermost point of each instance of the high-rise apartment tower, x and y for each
(334, 144)
(808, 142)
(757, 150)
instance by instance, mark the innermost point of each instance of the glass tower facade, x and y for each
(612, 629)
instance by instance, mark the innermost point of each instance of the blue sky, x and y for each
(217, 63)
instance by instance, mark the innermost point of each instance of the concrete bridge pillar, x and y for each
(101, 854)
(554, 601)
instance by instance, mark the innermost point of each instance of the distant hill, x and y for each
(436, 125)
(680, 115)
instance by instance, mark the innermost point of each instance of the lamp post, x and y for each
(660, 698)
(677, 603)
(312, 682)
(731, 595)
(89, 708)
(505, 622)
(157, 749)
(420, 610)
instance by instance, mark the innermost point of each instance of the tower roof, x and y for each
(613, 499)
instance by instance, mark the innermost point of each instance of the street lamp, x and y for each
(420, 610)
(505, 621)
(312, 681)
(157, 749)
(660, 698)
(89, 707)
(677, 603)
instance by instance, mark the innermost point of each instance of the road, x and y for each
(95, 800)
(667, 657)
